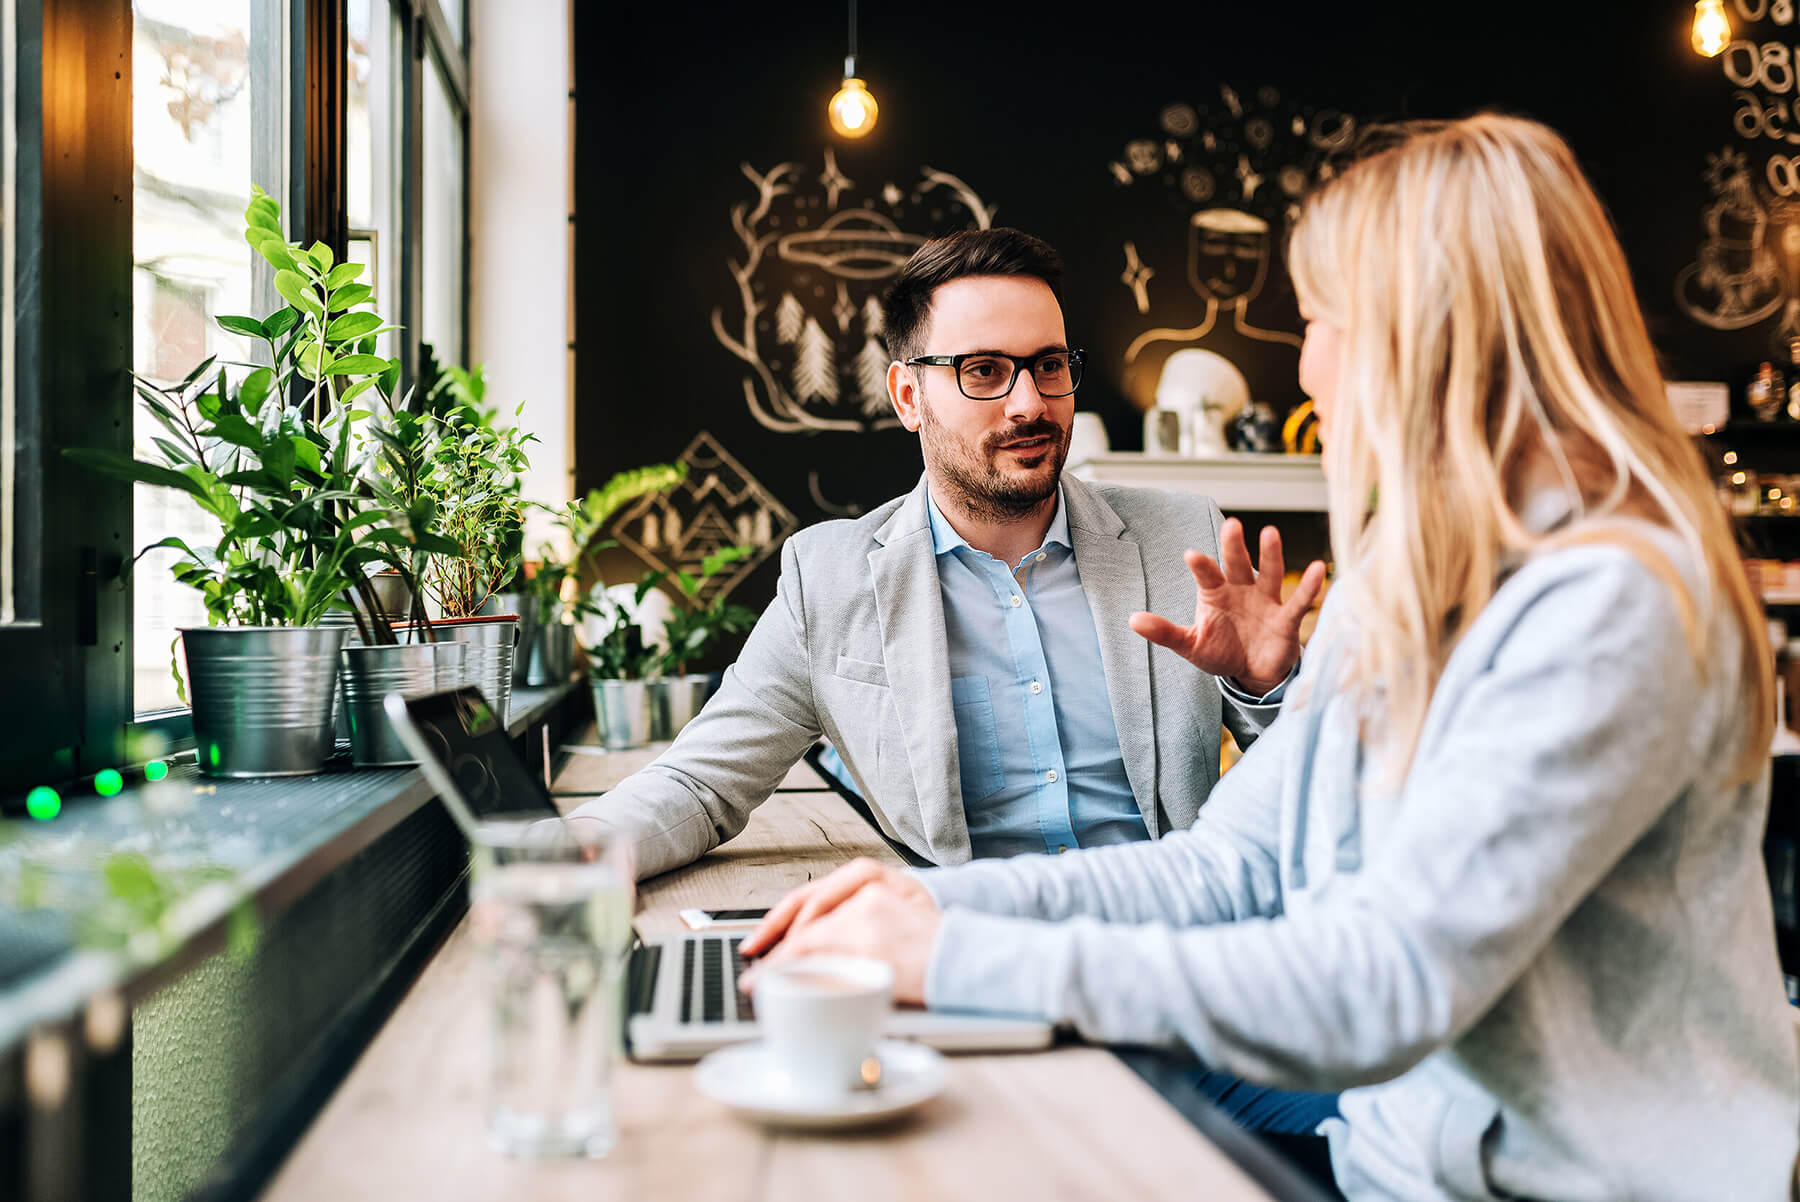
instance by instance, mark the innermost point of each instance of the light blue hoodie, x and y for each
(1544, 967)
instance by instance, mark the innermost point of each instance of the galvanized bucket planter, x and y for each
(622, 713)
(552, 656)
(262, 697)
(526, 607)
(369, 674)
(674, 700)
(491, 641)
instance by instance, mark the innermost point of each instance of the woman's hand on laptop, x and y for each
(815, 899)
(884, 914)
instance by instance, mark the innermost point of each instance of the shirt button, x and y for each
(1050, 776)
(1061, 847)
(1040, 557)
(1016, 601)
(1037, 686)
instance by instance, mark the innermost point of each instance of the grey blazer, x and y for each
(853, 648)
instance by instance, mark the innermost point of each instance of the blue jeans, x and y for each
(1284, 1119)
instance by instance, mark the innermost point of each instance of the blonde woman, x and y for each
(1495, 871)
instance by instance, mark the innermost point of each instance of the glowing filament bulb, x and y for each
(853, 109)
(1711, 30)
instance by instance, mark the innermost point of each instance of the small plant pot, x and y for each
(368, 675)
(622, 713)
(552, 651)
(491, 642)
(392, 592)
(674, 700)
(526, 607)
(262, 697)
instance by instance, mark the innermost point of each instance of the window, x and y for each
(442, 229)
(9, 433)
(213, 103)
(373, 164)
(208, 84)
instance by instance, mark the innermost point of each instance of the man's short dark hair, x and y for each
(906, 309)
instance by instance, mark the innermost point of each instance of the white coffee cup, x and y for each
(820, 1017)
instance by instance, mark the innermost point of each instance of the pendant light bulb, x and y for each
(1712, 31)
(853, 109)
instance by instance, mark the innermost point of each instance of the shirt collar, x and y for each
(944, 537)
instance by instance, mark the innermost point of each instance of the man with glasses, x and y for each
(969, 649)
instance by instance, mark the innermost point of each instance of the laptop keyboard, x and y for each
(710, 966)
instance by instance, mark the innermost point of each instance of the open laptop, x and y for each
(682, 993)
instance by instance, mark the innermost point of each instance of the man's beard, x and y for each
(980, 489)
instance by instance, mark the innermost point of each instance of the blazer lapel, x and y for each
(1112, 575)
(915, 650)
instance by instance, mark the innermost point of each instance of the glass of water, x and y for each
(553, 905)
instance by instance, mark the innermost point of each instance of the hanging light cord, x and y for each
(850, 62)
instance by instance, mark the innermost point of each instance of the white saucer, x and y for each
(744, 1078)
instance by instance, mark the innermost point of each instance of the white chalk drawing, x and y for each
(1735, 281)
(789, 317)
(718, 505)
(815, 365)
(1137, 277)
(852, 510)
(828, 273)
(871, 377)
(1234, 172)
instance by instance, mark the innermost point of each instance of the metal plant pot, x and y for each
(552, 655)
(526, 607)
(488, 663)
(674, 700)
(622, 712)
(262, 697)
(369, 674)
(392, 592)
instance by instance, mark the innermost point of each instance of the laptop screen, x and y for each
(464, 751)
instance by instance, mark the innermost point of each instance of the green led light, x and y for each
(155, 770)
(108, 782)
(43, 803)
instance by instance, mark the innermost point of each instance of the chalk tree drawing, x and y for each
(815, 366)
(720, 504)
(1235, 175)
(871, 377)
(804, 240)
(1735, 280)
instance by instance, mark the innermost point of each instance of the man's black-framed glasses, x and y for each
(987, 376)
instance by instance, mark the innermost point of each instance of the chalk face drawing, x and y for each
(1221, 183)
(815, 251)
(720, 504)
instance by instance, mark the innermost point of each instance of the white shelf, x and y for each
(1293, 483)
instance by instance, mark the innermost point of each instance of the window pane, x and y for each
(442, 234)
(453, 17)
(208, 119)
(9, 449)
(372, 157)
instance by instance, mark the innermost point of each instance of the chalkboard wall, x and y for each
(728, 246)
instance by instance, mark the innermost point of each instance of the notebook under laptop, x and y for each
(682, 990)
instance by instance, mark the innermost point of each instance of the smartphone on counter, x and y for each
(700, 920)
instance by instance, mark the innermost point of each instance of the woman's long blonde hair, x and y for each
(1492, 345)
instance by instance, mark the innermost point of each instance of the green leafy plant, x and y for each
(582, 520)
(297, 524)
(620, 653)
(697, 629)
(472, 479)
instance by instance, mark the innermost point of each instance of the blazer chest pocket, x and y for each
(862, 670)
(977, 741)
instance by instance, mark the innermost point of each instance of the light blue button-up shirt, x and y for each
(1041, 767)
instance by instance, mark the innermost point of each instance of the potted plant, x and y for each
(550, 616)
(693, 632)
(619, 664)
(297, 528)
(471, 478)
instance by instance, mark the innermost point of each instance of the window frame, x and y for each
(66, 663)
